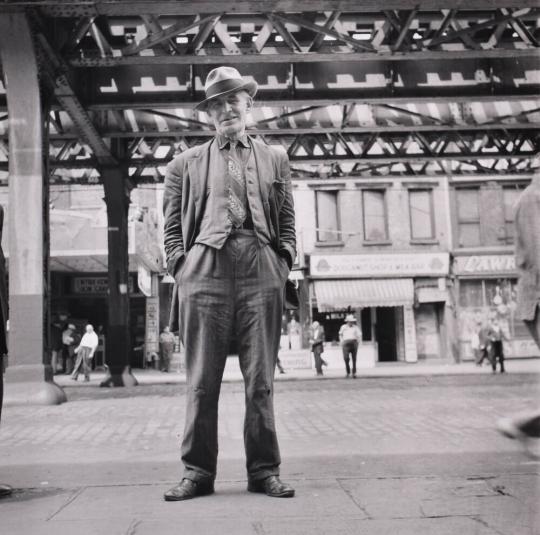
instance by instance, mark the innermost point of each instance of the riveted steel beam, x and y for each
(54, 74)
(66, 8)
(304, 57)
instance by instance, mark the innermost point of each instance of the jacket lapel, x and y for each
(198, 177)
(265, 169)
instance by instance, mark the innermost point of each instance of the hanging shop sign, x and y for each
(485, 264)
(94, 285)
(152, 325)
(380, 265)
(144, 281)
(409, 328)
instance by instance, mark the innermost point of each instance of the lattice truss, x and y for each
(402, 91)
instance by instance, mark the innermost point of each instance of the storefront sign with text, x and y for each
(94, 285)
(380, 265)
(483, 264)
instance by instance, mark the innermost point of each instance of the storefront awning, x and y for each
(340, 294)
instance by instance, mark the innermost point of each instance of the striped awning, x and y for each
(355, 293)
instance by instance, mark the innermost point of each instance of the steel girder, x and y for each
(347, 90)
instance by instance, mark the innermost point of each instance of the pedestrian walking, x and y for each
(85, 351)
(496, 336)
(166, 348)
(5, 490)
(56, 346)
(525, 427)
(68, 348)
(350, 336)
(481, 345)
(316, 341)
(293, 329)
(230, 244)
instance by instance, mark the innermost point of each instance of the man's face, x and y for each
(229, 113)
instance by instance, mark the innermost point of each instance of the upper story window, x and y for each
(510, 197)
(421, 214)
(468, 217)
(327, 215)
(375, 216)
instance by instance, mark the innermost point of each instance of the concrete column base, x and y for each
(33, 393)
(125, 378)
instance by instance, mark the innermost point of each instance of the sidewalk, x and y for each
(413, 455)
(390, 369)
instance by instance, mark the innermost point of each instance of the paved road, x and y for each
(398, 455)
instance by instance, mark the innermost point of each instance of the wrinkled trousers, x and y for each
(234, 291)
(83, 363)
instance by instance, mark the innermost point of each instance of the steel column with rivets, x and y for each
(116, 187)
(29, 375)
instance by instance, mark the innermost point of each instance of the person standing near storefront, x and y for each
(230, 244)
(166, 348)
(5, 490)
(481, 345)
(68, 346)
(496, 337)
(316, 340)
(350, 336)
(85, 351)
(56, 345)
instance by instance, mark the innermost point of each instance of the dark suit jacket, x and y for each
(316, 340)
(184, 201)
(3, 295)
(527, 223)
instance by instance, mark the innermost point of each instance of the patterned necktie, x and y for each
(237, 187)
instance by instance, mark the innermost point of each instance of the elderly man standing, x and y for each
(230, 244)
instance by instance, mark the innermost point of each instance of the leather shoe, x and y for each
(5, 490)
(271, 486)
(188, 489)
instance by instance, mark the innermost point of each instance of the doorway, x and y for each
(385, 333)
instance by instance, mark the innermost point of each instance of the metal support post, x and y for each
(29, 376)
(115, 184)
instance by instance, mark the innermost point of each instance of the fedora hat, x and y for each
(350, 317)
(222, 81)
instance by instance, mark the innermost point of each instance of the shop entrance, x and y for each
(385, 334)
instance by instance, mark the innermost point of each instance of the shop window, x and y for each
(468, 217)
(328, 225)
(375, 217)
(421, 214)
(471, 293)
(510, 197)
(481, 300)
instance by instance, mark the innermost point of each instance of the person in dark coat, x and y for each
(230, 244)
(5, 490)
(525, 427)
(316, 340)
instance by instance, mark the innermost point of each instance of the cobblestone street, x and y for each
(402, 455)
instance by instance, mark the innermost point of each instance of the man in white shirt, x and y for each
(85, 351)
(349, 336)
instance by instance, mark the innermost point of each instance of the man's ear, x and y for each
(249, 103)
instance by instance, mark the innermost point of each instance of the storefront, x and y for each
(81, 298)
(486, 288)
(79, 279)
(398, 300)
